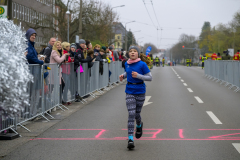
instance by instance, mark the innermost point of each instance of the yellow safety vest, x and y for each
(204, 58)
(187, 60)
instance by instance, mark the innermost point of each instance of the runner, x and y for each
(137, 72)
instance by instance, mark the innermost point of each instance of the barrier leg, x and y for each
(24, 127)
(49, 115)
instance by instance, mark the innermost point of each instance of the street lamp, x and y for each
(112, 20)
(126, 34)
(68, 13)
(118, 6)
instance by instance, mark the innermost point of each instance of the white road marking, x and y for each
(198, 99)
(214, 118)
(179, 77)
(58, 113)
(182, 80)
(185, 84)
(237, 146)
(147, 98)
(189, 89)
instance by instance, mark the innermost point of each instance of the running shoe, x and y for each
(130, 144)
(138, 133)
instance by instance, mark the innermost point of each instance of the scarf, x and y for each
(130, 61)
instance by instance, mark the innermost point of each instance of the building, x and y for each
(119, 37)
(33, 14)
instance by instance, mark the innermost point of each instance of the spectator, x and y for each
(66, 49)
(89, 57)
(73, 49)
(32, 58)
(111, 53)
(115, 54)
(89, 45)
(97, 49)
(31, 52)
(100, 56)
(108, 57)
(104, 55)
(85, 51)
(79, 57)
(66, 70)
(48, 50)
(58, 57)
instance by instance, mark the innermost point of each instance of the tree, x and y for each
(154, 48)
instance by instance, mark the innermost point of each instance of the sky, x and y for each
(172, 17)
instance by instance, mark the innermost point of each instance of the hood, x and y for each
(29, 32)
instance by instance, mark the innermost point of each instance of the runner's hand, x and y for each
(121, 77)
(134, 74)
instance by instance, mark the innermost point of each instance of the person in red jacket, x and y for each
(214, 56)
(236, 56)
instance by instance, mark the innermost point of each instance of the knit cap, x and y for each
(135, 47)
(73, 45)
(81, 41)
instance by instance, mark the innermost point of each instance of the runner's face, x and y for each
(133, 54)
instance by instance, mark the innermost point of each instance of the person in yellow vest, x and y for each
(219, 57)
(163, 62)
(157, 61)
(190, 62)
(203, 58)
(187, 62)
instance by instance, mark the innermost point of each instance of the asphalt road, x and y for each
(190, 118)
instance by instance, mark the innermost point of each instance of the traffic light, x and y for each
(183, 47)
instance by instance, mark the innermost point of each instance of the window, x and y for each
(14, 10)
(118, 37)
(17, 9)
(23, 15)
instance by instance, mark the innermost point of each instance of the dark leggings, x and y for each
(134, 106)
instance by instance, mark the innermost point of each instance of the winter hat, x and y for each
(104, 48)
(81, 41)
(29, 32)
(135, 47)
(110, 48)
(73, 45)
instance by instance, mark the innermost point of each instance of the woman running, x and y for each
(137, 72)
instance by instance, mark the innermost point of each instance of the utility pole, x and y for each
(80, 21)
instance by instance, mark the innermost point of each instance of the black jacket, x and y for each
(47, 52)
(79, 58)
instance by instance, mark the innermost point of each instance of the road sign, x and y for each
(3, 11)
(77, 39)
(231, 52)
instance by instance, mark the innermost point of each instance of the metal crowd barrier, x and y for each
(225, 72)
(46, 92)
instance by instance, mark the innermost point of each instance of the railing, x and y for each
(45, 92)
(224, 72)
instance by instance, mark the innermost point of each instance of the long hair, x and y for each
(145, 59)
(55, 47)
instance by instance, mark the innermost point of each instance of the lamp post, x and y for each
(126, 34)
(68, 13)
(112, 19)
